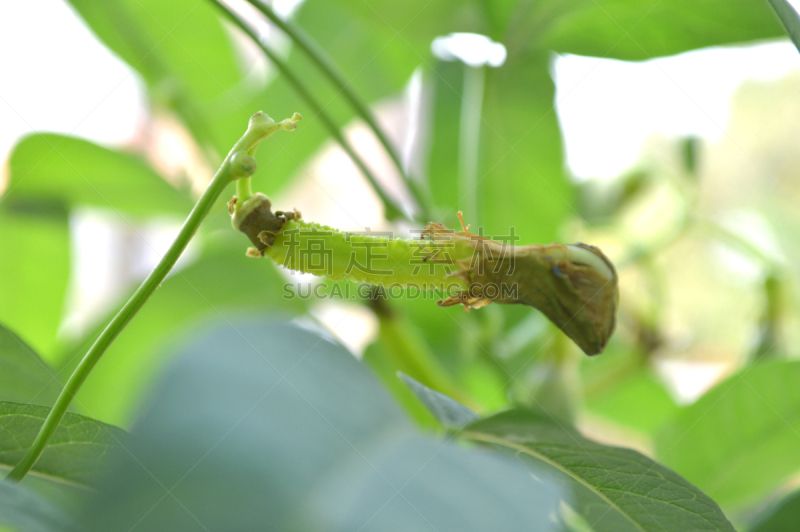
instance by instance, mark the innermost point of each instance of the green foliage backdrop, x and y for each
(235, 418)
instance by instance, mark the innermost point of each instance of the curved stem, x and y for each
(392, 211)
(329, 68)
(236, 165)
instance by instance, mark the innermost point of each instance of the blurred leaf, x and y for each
(631, 491)
(457, 341)
(639, 401)
(27, 511)
(221, 282)
(78, 172)
(789, 18)
(24, 377)
(447, 81)
(783, 518)
(690, 149)
(418, 23)
(552, 389)
(740, 440)
(641, 29)
(34, 272)
(450, 413)
(380, 360)
(270, 427)
(75, 453)
(601, 199)
(622, 29)
(181, 50)
(499, 14)
(184, 39)
(521, 177)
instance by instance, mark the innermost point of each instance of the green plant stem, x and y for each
(244, 190)
(236, 165)
(392, 211)
(329, 68)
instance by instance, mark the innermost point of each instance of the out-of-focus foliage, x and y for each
(781, 518)
(266, 426)
(22, 509)
(258, 424)
(737, 442)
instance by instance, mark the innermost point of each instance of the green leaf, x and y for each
(789, 18)
(183, 39)
(639, 401)
(643, 29)
(378, 357)
(27, 511)
(617, 489)
(24, 377)
(270, 427)
(417, 23)
(781, 518)
(450, 413)
(447, 81)
(222, 282)
(522, 184)
(76, 453)
(34, 271)
(181, 50)
(739, 441)
(78, 172)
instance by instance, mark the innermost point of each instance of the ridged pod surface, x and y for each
(369, 258)
(575, 286)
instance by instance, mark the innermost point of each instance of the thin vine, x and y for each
(237, 165)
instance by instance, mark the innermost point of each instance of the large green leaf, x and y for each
(521, 181)
(639, 401)
(740, 440)
(617, 489)
(270, 427)
(181, 50)
(76, 453)
(184, 39)
(34, 271)
(447, 82)
(78, 172)
(417, 23)
(27, 511)
(24, 377)
(622, 29)
(222, 281)
(642, 29)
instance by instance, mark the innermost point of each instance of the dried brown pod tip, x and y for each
(575, 286)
